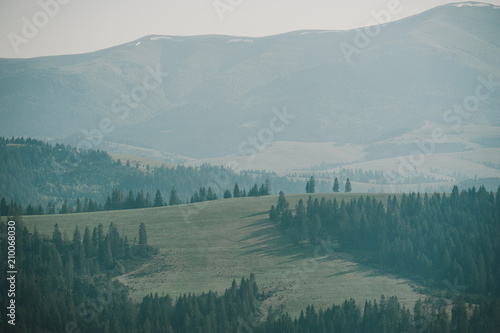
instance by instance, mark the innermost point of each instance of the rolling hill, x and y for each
(204, 246)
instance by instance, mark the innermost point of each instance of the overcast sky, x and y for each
(77, 26)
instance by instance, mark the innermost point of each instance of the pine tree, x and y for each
(130, 201)
(57, 237)
(273, 216)
(139, 199)
(267, 187)
(65, 208)
(237, 194)
(87, 243)
(51, 208)
(262, 190)
(227, 194)
(300, 222)
(211, 195)
(311, 185)
(77, 250)
(107, 205)
(158, 199)
(336, 186)
(106, 255)
(76, 240)
(116, 199)
(79, 206)
(93, 206)
(254, 191)
(203, 194)
(30, 210)
(174, 199)
(348, 186)
(282, 204)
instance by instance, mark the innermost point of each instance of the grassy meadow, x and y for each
(204, 246)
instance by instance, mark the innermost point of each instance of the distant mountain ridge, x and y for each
(220, 91)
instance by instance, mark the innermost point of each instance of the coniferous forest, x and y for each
(68, 286)
(36, 173)
(432, 238)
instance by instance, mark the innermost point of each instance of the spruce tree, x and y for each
(57, 237)
(254, 191)
(211, 195)
(267, 187)
(130, 201)
(282, 204)
(336, 186)
(203, 194)
(273, 216)
(348, 187)
(236, 191)
(79, 206)
(310, 185)
(174, 199)
(262, 190)
(147, 201)
(65, 208)
(51, 208)
(158, 199)
(87, 243)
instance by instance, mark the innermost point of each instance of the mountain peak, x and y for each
(472, 4)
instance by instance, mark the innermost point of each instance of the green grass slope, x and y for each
(204, 246)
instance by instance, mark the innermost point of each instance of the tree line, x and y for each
(32, 171)
(116, 201)
(431, 237)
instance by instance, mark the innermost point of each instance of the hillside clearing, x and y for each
(205, 246)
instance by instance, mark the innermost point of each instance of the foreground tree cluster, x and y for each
(62, 297)
(69, 286)
(55, 292)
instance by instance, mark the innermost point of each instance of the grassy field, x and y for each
(205, 246)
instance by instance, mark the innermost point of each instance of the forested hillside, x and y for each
(36, 173)
(55, 294)
(433, 238)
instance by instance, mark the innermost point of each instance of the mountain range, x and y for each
(300, 100)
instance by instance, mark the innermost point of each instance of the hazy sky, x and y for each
(76, 26)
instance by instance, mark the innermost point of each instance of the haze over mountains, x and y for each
(224, 95)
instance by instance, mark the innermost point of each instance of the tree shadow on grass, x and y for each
(267, 240)
(256, 214)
